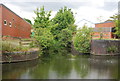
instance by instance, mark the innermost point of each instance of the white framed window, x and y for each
(10, 24)
(5, 22)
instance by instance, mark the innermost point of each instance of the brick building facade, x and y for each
(13, 25)
(104, 30)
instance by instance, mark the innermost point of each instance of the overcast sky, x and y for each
(85, 11)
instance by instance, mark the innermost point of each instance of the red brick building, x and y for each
(13, 25)
(104, 30)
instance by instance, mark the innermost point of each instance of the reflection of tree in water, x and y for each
(81, 65)
(62, 67)
(41, 71)
(105, 65)
(119, 68)
(15, 70)
(115, 68)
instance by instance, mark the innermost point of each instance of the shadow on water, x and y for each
(60, 67)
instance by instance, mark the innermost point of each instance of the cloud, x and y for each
(99, 3)
(29, 6)
(108, 6)
(85, 9)
(59, 0)
(91, 14)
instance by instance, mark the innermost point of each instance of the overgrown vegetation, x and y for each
(9, 47)
(54, 35)
(82, 40)
(112, 49)
(116, 19)
(42, 26)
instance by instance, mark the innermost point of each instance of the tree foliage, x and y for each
(82, 40)
(54, 34)
(116, 19)
(42, 19)
(117, 22)
(44, 39)
(65, 19)
(41, 27)
(65, 37)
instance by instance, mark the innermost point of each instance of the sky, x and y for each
(86, 12)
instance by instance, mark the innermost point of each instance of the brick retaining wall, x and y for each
(105, 47)
(19, 56)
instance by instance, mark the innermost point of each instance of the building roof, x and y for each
(108, 21)
(13, 12)
(102, 29)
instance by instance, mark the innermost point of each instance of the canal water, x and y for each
(80, 67)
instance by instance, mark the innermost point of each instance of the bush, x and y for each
(54, 35)
(44, 39)
(65, 37)
(112, 49)
(82, 40)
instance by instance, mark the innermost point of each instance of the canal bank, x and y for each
(20, 56)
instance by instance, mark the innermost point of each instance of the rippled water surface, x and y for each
(81, 67)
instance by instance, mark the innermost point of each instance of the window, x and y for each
(5, 22)
(10, 24)
(13, 19)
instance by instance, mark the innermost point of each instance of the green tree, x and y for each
(82, 40)
(117, 23)
(54, 34)
(65, 37)
(42, 19)
(116, 19)
(63, 28)
(44, 39)
(41, 27)
(64, 19)
(65, 40)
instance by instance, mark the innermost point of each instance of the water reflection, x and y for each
(15, 70)
(81, 67)
(105, 66)
(41, 71)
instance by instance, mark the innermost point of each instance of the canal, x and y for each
(81, 67)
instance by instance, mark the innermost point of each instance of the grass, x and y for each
(12, 47)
